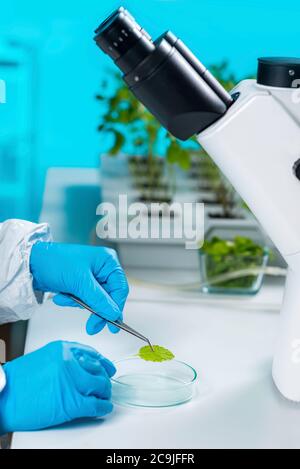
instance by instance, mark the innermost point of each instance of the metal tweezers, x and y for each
(117, 323)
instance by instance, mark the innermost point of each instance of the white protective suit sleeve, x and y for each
(2, 379)
(17, 297)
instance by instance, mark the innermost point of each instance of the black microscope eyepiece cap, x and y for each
(282, 72)
(123, 39)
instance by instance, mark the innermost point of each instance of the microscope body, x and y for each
(252, 133)
(256, 145)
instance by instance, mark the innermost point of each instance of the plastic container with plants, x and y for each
(232, 266)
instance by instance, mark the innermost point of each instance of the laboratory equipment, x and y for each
(252, 133)
(149, 384)
(118, 323)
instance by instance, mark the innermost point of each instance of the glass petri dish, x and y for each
(141, 383)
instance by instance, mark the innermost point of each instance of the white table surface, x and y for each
(236, 404)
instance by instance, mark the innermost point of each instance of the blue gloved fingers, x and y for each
(94, 325)
(109, 367)
(113, 329)
(94, 407)
(92, 293)
(98, 386)
(90, 363)
(96, 364)
(64, 300)
(117, 287)
(113, 279)
(89, 352)
(88, 384)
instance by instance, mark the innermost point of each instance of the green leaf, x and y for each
(119, 142)
(160, 354)
(178, 155)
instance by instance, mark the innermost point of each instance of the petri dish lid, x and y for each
(148, 384)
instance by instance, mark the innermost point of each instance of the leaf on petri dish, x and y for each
(158, 354)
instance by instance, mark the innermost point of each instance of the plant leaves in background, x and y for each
(177, 154)
(226, 256)
(118, 143)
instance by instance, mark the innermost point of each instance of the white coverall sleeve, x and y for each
(2, 379)
(2, 386)
(17, 297)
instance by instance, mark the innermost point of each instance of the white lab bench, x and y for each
(230, 344)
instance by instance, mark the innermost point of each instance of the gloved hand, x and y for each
(58, 383)
(93, 274)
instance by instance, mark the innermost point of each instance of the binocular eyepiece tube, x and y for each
(164, 75)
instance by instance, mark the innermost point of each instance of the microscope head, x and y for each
(164, 75)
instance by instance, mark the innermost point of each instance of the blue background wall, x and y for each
(70, 66)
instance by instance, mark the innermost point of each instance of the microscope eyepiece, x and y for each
(164, 75)
(122, 38)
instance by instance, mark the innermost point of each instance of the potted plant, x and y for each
(154, 159)
(232, 266)
(150, 149)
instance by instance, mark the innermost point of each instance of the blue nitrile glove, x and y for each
(92, 274)
(58, 383)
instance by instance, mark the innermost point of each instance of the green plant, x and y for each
(137, 132)
(149, 178)
(225, 256)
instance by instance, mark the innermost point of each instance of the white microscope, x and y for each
(253, 135)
